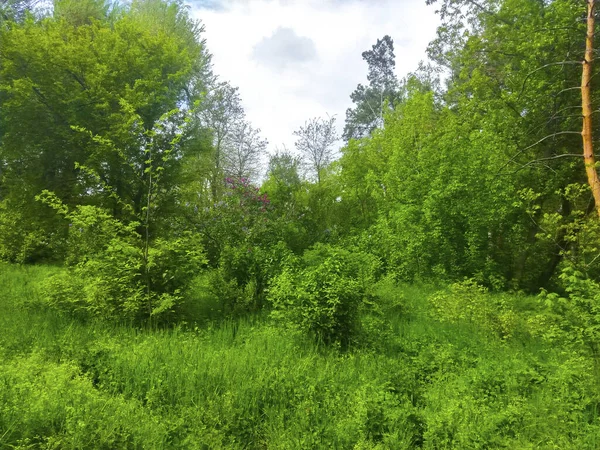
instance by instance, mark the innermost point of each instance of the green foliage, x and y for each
(22, 241)
(238, 285)
(214, 298)
(97, 91)
(438, 191)
(16, 10)
(569, 313)
(251, 269)
(323, 294)
(469, 303)
(574, 317)
(247, 384)
(173, 263)
(82, 12)
(112, 275)
(373, 100)
(378, 311)
(241, 218)
(100, 122)
(246, 245)
(52, 405)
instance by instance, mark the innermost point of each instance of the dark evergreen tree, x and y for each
(370, 101)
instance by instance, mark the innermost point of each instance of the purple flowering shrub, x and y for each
(243, 245)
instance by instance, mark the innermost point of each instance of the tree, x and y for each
(283, 168)
(81, 12)
(440, 184)
(15, 10)
(243, 150)
(515, 67)
(67, 89)
(315, 143)
(283, 183)
(586, 102)
(370, 100)
(220, 111)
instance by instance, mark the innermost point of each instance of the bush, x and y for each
(323, 293)
(244, 273)
(379, 310)
(172, 265)
(24, 240)
(112, 274)
(573, 318)
(105, 267)
(469, 302)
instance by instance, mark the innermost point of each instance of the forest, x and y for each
(165, 282)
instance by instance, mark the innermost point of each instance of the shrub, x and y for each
(378, 312)
(172, 265)
(244, 273)
(573, 318)
(322, 294)
(113, 273)
(53, 405)
(24, 240)
(469, 302)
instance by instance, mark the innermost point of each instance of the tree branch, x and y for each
(560, 63)
(533, 145)
(536, 161)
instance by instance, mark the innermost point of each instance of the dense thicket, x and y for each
(124, 157)
(480, 179)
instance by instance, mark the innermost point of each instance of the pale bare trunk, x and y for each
(586, 105)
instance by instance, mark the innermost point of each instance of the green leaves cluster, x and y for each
(469, 303)
(114, 110)
(112, 275)
(97, 102)
(78, 100)
(437, 191)
(323, 293)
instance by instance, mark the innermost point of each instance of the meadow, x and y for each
(420, 379)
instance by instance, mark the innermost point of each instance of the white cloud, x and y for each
(325, 39)
(284, 48)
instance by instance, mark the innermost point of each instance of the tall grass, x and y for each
(250, 384)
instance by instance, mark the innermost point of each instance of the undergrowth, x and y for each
(430, 380)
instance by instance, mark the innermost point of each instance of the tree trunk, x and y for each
(586, 105)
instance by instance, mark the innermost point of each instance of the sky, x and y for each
(298, 59)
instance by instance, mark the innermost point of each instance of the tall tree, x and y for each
(284, 168)
(243, 150)
(523, 58)
(81, 12)
(587, 108)
(315, 143)
(220, 111)
(68, 90)
(370, 100)
(283, 187)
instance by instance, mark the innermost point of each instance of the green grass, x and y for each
(423, 383)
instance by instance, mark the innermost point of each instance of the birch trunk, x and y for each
(586, 105)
